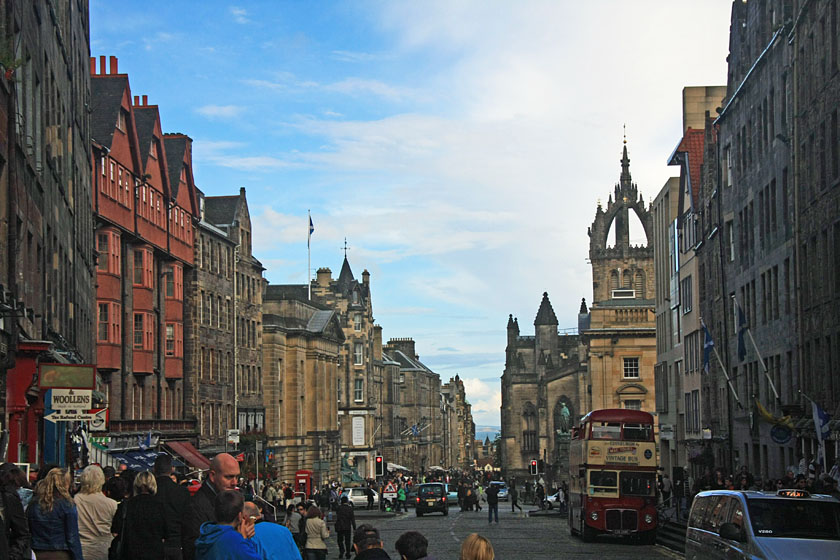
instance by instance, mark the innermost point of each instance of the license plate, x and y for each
(621, 532)
(430, 502)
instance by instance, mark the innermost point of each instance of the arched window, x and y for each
(614, 280)
(626, 279)
(639, 284)
(529, 428)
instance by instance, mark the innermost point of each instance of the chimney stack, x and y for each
(377, 342)
(323, 277)
(102, 65)
(145, 101)
(93, 66)
(136, 100)
(114, 66)
(365, 277)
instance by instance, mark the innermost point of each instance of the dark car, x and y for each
(411, 495)
(431, 497)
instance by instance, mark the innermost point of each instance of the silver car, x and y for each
(358, 497)
(785, 525)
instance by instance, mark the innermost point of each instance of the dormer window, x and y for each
(121, 120)
(355, 297)
(153, 150)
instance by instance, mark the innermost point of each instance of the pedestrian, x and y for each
(14, 530)
(175, 500)
(229, 538)
(401, 499)
(479, 497)
(13, 480)
(272, 540)
(514, 497)
(493, 503)
(541, 495)
(368, 544)
(292, 523)
(96, 514)
(666, 488)
(288, 495)
(316, 532)
(476, 547)
(413, 546)
(345, 524)
(369, 493)
(53, 519)
(222, 475)
(270, 494)
(140, 522)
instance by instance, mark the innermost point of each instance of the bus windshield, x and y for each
(638, 432)
(606, 430)
(638, 484)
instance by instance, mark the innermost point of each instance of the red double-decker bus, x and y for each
(612, 464)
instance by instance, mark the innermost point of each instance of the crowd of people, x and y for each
(108, 514)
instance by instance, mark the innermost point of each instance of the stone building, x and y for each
(748, 255)
(541, 379)
(301, 358)
(415, 425)
(621, 337)
(47, 258)
(684, 423)
(813, 130)
(144, 201)
(230, 214)
(209, 391)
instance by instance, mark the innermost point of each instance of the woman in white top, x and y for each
(316, 532)
(96, 512)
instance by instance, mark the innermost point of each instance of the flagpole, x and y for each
(309, 254)
(757, 351)
(726, 375)
(817, 430)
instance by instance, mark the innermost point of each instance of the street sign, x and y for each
(233, 437)
(61, 416)
(71, 399)
(99, 422)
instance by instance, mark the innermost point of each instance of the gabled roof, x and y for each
(175, 147)
(221, 210)
(691, 145)
(145, 119)
(545, 316)
(106, 95)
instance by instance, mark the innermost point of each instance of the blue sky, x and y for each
(461, 147)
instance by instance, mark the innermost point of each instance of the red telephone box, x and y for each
(303, 483)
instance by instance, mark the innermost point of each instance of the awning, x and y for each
(189, 453)
(139, 460)
(396, 467)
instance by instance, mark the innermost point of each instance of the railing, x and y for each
(273, 509)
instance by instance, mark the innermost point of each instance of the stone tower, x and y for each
(621, 267)
(621, 334)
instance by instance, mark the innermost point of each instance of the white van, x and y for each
(785, 525)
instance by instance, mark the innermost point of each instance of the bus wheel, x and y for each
(588, 533)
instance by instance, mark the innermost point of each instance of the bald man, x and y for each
(272, 540)
(222, 475)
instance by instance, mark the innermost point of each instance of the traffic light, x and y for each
(533, 467)
(380, 466)
(541, 467)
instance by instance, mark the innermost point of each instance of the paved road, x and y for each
(533, 538)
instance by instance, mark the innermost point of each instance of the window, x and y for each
(108, 322)
(170, 282)
(633, 404)
(631, 368)
(138, 330)
(685, 295)
(144, 331)
(170, 339)
(121, 120)
(358, 354)
(143, 275)
(102, 249)
(108, 247)
(358, 390)
(357, 321)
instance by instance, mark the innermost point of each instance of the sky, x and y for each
(460, 146)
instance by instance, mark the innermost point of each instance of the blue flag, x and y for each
(311, 231)
(708, 346)
(414, 430)
(742, 329)
(821, 420)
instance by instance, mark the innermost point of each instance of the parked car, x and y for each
(788, 524)
(503, 490)
(452, 492)
(432, 497)
(358, 497)
(554, 501)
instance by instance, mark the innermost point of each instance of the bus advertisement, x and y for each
(612, 473)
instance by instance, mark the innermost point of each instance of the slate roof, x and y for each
(221, 210)
(175, 146)
(106, 96)
(319, 321)
(545, 316)
(345, 278)
(408, 363)
(144, 119)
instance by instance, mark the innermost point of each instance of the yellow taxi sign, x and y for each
(793, 493)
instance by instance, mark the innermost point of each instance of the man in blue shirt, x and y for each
(273, 541)
(228, 538)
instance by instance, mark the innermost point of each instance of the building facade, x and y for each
(301, 357)
(230, 214)
(47, 259)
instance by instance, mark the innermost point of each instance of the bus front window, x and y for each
(606, 430)
(603, 482)
(638, 484)
(638, 432)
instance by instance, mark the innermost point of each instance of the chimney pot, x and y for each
(93, 66)
(114, 66)
(145, 100)
(136, 100)
(102, 64)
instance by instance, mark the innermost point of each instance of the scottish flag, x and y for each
(414, 430)
(708, 346)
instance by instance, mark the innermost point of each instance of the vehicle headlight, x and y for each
(648, 518)
(594, 516)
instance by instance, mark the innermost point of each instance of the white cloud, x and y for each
(220, 111)
(230, 154)
(361, 86)
(240, 15)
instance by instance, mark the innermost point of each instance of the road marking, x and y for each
(668, 552)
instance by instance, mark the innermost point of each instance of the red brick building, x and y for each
(144, 201)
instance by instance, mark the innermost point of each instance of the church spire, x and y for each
(625, 164)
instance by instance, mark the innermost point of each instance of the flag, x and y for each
(742, 329)
(414, 430)
(311, 231)
(708, 346)
(240, 457)
(821, 420)
(144, 442)
(768, 416)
